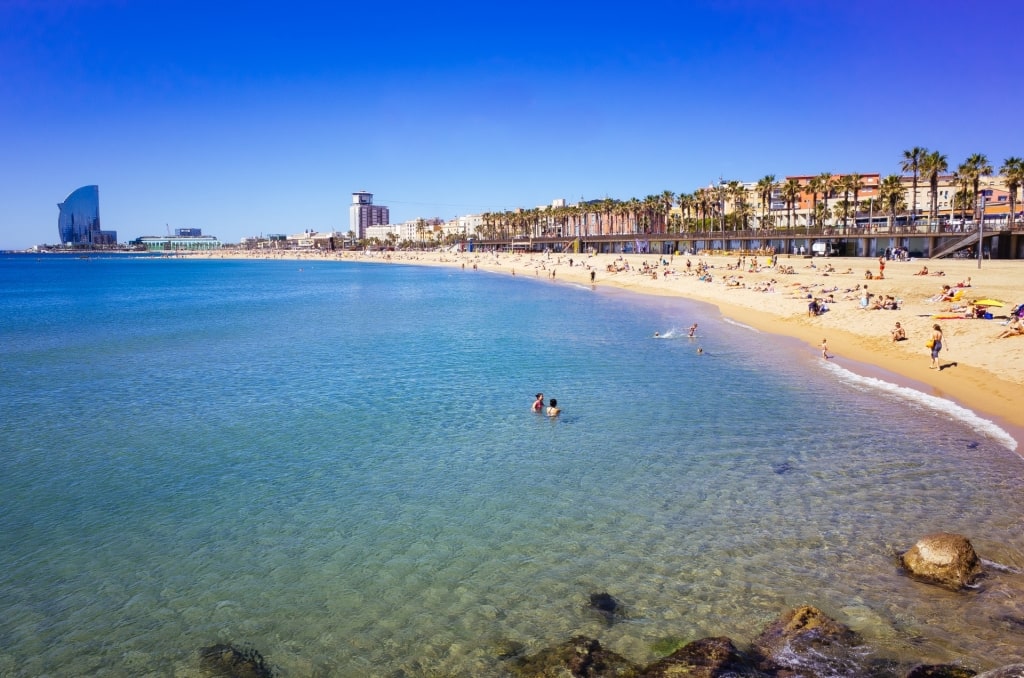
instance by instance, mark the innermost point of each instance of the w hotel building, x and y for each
(79, 220)
(362, 213)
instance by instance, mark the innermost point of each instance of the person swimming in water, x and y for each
(693, 330)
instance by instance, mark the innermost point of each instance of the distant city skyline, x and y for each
(267, 122)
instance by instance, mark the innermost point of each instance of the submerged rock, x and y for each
(704, 658)
(940, 671)
(944, 559)
(506, 649)
(580, 657)
(1010, 671)
(807, 642)
(227, 661)
(606, 605)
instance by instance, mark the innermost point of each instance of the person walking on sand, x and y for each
(538, 404)
(881, 267)
(824, 349)
(936, 346)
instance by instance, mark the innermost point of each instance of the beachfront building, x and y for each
(79, 220)
(317, 240)
(418, 231)
(273, 241)
(821, 200)
(362, 214)
(183, 240)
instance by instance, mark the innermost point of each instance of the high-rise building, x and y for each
(79, 220)
(362, 213)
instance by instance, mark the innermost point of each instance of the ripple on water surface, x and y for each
(338, 467)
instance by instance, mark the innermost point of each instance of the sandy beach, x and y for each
(978, 370)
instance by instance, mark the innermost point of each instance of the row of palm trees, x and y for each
(728, 205)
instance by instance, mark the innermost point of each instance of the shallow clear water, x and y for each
(336, 464)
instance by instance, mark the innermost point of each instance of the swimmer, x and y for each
(657, 335)
(700, 351)
(538, 404)
(553, 410)
(693, 330)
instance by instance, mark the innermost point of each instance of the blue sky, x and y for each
(264, 118)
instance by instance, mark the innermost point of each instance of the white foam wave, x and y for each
(739, 324)
(975, 422)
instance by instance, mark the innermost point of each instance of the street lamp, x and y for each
(981, 227)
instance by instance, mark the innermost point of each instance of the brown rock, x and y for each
(1011, 671)
(940, 671)
(806, 642)
(945, 559)
(704, 658)
(580, 657)
(228, 661)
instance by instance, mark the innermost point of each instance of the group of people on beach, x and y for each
(552, 408)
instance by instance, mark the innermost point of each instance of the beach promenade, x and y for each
(979, 370)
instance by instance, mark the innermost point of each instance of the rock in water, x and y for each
(580, 657)
(1011, 671)
(227, 661)
(808, 643)
(944, 559)
(606, 605)
(704, 658)
(940, 671)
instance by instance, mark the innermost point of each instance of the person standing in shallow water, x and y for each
(936, 346)
(553, 410)
(538, 404)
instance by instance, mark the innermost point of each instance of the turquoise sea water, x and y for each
(335, 463)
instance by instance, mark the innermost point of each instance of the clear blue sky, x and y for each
(243, 119)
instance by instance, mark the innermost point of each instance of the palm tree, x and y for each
(704, 209)
(815, 185)
(421, 229)
(912, 163)
(1013, 170)
(719, 193)
(822, 213)
(736, 193)
(891, 193)
(827, 182)
(687, 202)
(667, 199)
(973, 169)
(765, 187)
(791, 191)
(842, 209)
(932, 165)
(849, 183)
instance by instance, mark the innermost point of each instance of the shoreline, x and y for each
(978, 371)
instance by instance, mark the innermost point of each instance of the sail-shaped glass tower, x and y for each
(79, 220)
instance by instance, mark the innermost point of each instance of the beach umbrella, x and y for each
(988, 302)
